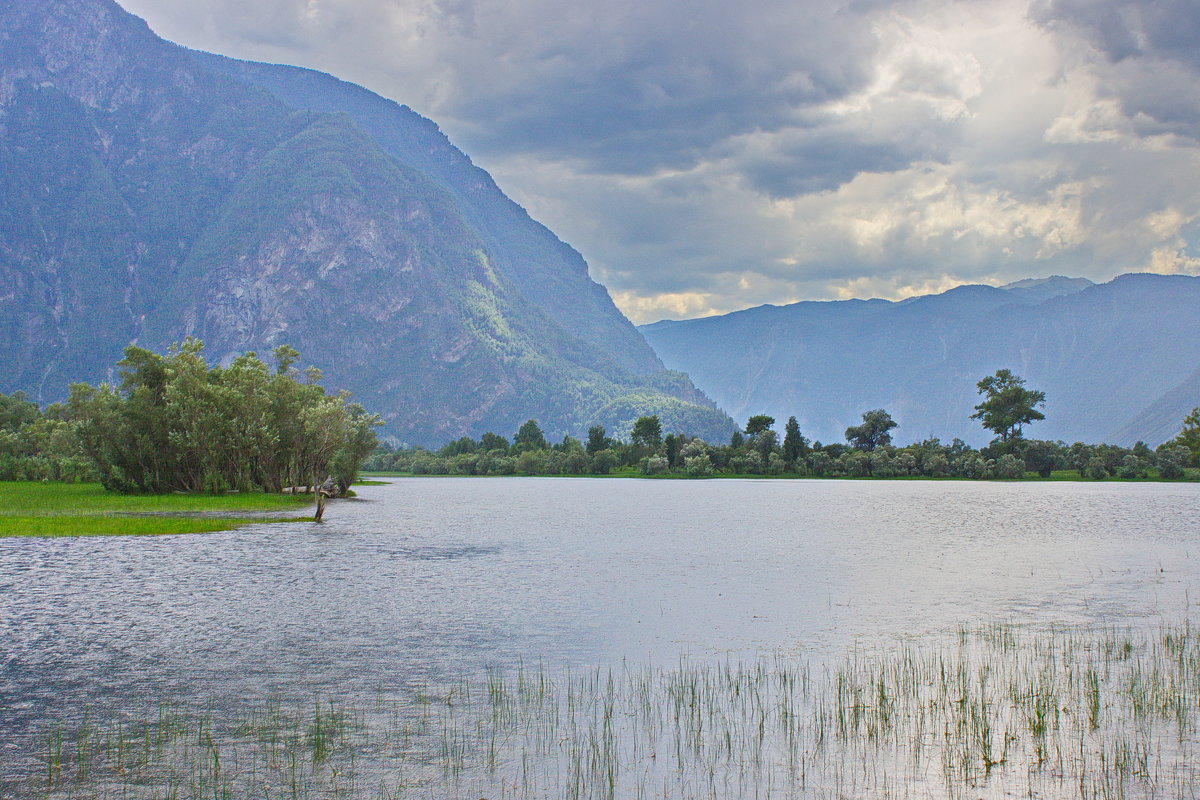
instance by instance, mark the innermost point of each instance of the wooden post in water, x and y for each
(320, 506)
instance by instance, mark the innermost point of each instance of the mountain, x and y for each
(149, 192)
(1118, 361)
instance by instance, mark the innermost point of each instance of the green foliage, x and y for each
(597, 440)
(765, 444)
(37, 447)
(1008, 405)
(177, 424)
(1009, 467)
(1044, 457)
(16, 412)
(647, 433)
(1172, 461)
(1189, 437)
(795, 446)
(762, 454)
(873, 432)
(757, 424)
(603, 462)
(493, 442)
(654, 465)
(529, 437)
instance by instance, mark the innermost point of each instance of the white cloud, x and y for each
(721, 156)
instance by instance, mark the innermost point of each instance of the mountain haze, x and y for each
(149, 192)
(1118, 361)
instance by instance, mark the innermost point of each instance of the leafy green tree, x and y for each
(603, 462)
(795, 446)
(177, 424)
(653, 465)
(1078, 456)
(493, 441)
(737, 440)
(698, 465)
(757, 424)
(1132, 467)
(647, 433)
(1044, 457)
(358, 442)
(1009, 467)
(531, 462)
(672, 444)
(1008, 406)
(597, 440)
(765, 444)
(459, 446)
(1171, 460)
(575, 463)
(529, 437)
(1096, 468)
(569, 444)
(1189, 437)
(16, 411)
(873, 432)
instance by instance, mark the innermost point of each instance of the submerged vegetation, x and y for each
(996, 711)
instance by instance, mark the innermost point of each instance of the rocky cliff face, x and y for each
(148, 192)
(1118, 361)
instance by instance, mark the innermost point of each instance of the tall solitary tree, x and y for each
(874, 430)
(795, 446)
(1007, 406)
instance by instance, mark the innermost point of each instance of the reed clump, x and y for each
(995, 711)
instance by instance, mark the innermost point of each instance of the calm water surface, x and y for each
(428, 578)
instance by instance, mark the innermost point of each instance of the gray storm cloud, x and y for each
(706, 157)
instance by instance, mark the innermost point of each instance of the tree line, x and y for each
(1006, 407)
(174, 422)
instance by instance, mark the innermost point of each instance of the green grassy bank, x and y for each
(86, 509)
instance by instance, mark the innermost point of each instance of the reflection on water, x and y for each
(429, 579)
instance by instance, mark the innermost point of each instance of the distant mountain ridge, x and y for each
(1119, 361)
(149, 192)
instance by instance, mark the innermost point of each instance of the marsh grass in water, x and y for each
(998, 711)
(80, 509)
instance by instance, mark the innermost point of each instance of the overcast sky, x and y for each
(707, 156)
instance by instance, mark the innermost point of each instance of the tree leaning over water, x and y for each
(176, 424)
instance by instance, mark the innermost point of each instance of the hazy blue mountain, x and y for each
(1118, 361)
(148, 192)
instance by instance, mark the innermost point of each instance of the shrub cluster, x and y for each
(174, 423)
(40, 446)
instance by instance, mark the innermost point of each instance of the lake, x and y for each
(426, 581)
